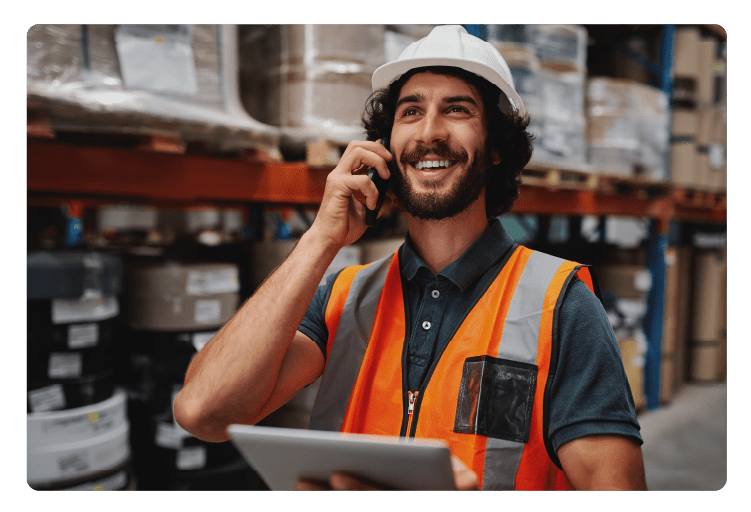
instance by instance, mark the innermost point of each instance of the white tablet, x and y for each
(284, 456)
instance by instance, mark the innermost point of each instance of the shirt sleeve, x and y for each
(590, 393)
(313, 324)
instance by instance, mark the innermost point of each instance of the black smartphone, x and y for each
(381, 184)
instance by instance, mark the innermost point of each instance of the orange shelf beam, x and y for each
(72, 171)
(119, 173)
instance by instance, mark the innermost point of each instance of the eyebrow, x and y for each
(417, 98)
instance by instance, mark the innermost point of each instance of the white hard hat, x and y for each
(451, 45)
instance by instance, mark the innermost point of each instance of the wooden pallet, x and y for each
(539, 176)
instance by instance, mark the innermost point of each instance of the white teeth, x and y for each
(429, 164)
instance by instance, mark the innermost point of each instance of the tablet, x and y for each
(284, 456)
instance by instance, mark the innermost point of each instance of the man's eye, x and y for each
(409, 112)
(457, 108)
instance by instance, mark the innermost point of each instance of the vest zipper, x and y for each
(412, 398)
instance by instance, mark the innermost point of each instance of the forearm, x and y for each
(603, 462)
(234, 375)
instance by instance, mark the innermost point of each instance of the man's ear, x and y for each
(496, 158)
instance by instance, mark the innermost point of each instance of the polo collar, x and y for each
(478, 258)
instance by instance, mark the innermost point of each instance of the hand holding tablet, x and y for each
(284, 457)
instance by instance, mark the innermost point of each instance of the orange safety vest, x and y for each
(492, 410)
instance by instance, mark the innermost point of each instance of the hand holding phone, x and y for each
(381, 184)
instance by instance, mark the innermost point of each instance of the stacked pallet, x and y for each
(549, 66)
(699, 112)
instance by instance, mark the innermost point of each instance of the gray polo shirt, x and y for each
(590, 393)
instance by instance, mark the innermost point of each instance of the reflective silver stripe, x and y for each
(348, 347)
(521, 330)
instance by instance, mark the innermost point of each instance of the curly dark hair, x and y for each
(507, 133)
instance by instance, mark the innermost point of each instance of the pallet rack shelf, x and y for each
(98, 174)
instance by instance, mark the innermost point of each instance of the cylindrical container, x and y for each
(60, 394)
(178, 296)
(75, 425)
(77, 459)
(72, 316)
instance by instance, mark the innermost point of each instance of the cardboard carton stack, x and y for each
(675, 323)
(708, 347)
(699, 111)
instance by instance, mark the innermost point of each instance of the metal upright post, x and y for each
(655, 261)
(655, 253)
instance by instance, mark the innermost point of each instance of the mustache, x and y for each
(441, 150)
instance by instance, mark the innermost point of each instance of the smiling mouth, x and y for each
(433, 164)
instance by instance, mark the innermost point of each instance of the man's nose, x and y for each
(432, 129)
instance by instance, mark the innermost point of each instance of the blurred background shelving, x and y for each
(202, 173)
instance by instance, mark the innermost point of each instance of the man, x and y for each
(462, 335)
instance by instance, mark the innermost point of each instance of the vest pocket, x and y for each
(496, 398)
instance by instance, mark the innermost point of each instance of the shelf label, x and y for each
(65, 365)
(157, 58)
(208, 311)
(213, 282)
(83, 335)
(192, 457)
(49, 398)
(86, 308)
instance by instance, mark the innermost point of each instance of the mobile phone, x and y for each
(381, 184)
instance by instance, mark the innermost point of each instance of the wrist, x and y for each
(318, 243)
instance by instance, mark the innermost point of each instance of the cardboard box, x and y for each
(686, 52)
(669, 382)
(706, 295)
(682, 171)
(685, 122)
(633, 364)
(626, 281)
(706, 72)
(706, 362)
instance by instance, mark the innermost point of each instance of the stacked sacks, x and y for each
(78, 430)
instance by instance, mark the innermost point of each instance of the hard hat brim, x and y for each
(390, 72)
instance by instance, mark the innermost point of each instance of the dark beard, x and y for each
(431, 206)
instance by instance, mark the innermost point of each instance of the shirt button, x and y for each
(436, 294)
(426, 325)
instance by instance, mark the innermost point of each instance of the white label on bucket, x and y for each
(213, 282)
(66, 311)
(83, 335)
(167, 436)
(49, 398)
(192, 457)
(65, 365)
(73, 462)
(208, 311)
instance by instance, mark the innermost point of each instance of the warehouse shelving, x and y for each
(163, 172)
(101, 174)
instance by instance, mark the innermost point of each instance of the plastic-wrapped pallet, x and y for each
(142, 79)
(560, 48)
(628, 128)
(313, 80)
(547, 63)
